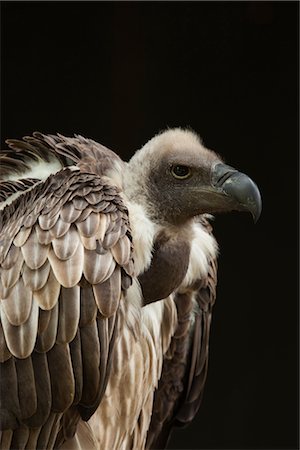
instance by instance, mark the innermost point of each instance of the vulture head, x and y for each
(176, 178)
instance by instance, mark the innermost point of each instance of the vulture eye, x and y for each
(180, 172)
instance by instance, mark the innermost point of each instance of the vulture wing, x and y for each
(180, 388)
(65, 262)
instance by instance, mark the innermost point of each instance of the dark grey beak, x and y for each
(243, 193)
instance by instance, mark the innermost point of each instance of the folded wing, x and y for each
(180, 388)
(65, 263)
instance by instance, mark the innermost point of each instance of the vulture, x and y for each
(108, 273)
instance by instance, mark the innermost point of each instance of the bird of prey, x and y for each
(108, 280)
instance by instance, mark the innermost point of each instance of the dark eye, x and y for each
(180, 172)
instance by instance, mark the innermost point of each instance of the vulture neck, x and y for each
(169, 265)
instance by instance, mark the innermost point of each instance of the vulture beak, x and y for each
(241, 192)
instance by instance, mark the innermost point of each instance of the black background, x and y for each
(119, 73)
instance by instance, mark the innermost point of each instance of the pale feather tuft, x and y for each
(204, 247)
(39, 169)
(143, 232)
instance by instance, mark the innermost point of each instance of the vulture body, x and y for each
(108, 279)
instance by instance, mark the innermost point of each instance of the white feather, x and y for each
(40, 170)
(203, 248)
(143, 232)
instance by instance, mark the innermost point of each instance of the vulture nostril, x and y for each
(221, 173)
(223, 178)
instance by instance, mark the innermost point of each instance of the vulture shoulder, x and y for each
(65, 265)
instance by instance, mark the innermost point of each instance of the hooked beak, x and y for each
(239, 191)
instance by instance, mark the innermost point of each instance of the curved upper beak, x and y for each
(242, 193)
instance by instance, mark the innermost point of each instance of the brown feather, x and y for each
(84, 214)
(17, 305)
(107, 207)
(97, 268)
(45, 432)
(52, 208)
(66, 246)
(197, 340)
(59, 229)
(33, 438)
(54, 431)
(108, 293)
(10, 413)
(11, 257)
(111, 238)
(80, 203)
(89, 226)
(22, 236)
(47, 336)
(99, 248)
(21, 339)
(34, 253)
(107, 339)
(76, 358)
(47, 296)
(70, 420)
(88, 307)
(44, 236)
(90, 362)
(4, 352)
(69, 213)
(43, 390)
(68, 272)
(36, 279)
(62, 387)
(20, 438)
(92, 198)
(121, 251)
(29, 220)
(10, 276)
(46, 222)
(5, 439)
(89, 243)
(44, 318)
(69, 311)
(103, 225)
(26, 387)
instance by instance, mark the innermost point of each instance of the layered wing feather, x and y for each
(64, 257)
(180, 388)
(123, 417)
